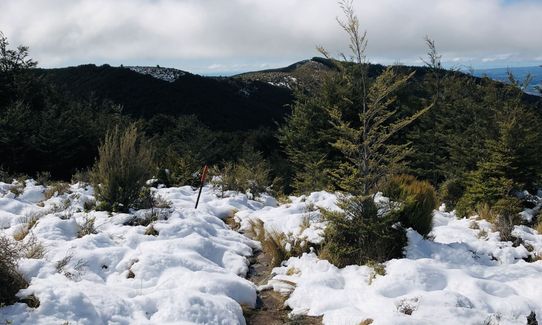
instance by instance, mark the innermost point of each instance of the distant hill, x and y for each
(307, 74)
(221, 103)
(501, 74)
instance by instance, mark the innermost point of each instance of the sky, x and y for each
(215, 37)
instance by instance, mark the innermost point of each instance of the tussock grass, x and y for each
(278, 246)
(367, 321)
(33, 248)
(28, 222)
(56, 189)
(87, 228)
(73, 273)
(151, 231)
(18, 187)
(11, 280)
(231, 222)
(484, 211)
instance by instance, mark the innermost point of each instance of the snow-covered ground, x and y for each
(193, 270)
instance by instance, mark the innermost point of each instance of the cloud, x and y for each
(211, 34)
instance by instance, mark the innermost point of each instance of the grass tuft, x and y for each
(11, 280)
(56, 189)
(87, 228)
(151, 231)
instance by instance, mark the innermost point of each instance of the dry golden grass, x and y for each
(151, 231)
(256, 230)
(539, 227)
(21, 233)
(484, 211)
(18, 188)
(29, 221)
(231, 222)
(55, 189)
(274, 243)
(283, 199)
(367, 321)
(33, 249)
(87, 228)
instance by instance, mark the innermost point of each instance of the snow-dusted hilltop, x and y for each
(178, 265)
(166, 74)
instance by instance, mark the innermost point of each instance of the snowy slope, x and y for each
(193, 271)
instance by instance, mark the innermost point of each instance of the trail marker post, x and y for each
(203, 176)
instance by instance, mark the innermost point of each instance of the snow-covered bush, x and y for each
(360, 234)
(124, 165)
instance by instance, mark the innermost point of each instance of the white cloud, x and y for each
(233, 32)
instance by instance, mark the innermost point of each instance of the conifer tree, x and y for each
(428, 132)
(513, 159)
(306, 140)
(366, 123)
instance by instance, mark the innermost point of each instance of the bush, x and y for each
(182, 170)
(249, 174)
(124, 165)
(360, 235)
(450, 192)
(10, 279)
(43, 178)
(417, 198)
(81, 176)
(507, 216)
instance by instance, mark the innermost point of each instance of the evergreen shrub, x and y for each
(359, 235)
(124, 165)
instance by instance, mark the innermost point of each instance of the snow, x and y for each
(458, 277)
(193, 271)
(166, 74)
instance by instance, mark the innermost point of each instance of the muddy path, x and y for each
(270, 309)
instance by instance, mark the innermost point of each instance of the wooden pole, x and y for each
(203, 175)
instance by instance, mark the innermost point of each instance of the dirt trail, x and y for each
(270, 309)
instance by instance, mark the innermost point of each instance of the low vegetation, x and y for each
(276, 244)
(361, 235)
(416, 202)
(124, 165)
(11, 280)
(250, 174)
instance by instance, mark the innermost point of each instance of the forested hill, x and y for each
(246, 101)
(220, 103)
